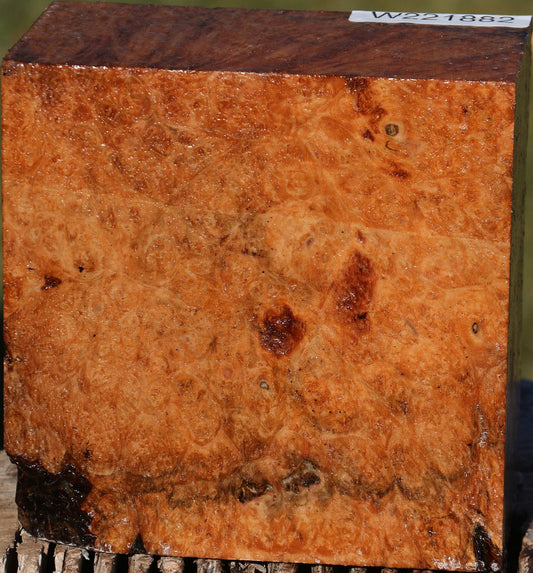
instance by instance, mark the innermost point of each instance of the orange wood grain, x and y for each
(261, 315)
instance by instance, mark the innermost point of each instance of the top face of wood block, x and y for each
(294, 42)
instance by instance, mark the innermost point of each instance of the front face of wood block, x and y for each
(259, 316)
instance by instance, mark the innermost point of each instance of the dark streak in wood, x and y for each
(50, 504)
(488, 556)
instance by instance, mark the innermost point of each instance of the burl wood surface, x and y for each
(259, 316)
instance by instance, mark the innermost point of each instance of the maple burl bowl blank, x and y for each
(262, 276)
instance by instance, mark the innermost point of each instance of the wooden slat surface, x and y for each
(8, 510)
(525, 563)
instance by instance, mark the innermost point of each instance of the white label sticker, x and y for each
(429, 18)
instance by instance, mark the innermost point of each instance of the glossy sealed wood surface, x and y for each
(246, 313)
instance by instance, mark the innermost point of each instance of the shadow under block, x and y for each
(262, 278)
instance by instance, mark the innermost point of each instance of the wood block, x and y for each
(171, 565)
(30, 554)
(103, 563)
(262, 283)
(8, 509)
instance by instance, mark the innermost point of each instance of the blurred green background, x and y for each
(16, 16)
